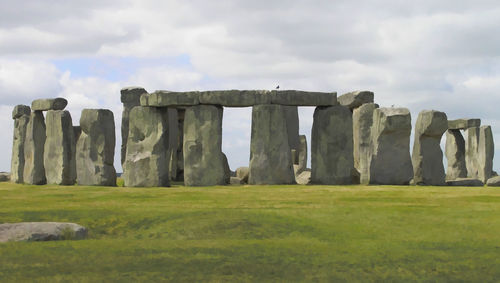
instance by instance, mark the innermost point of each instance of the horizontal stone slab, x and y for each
(239, 98)
(131, 94)
(41, 231)
(462, 124)
(20, 110)
(49, 104)
(465, 182)
(355, 99)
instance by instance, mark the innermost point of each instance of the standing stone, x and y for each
(227, 169)
(270, 154)
(179, 176)
(95, 148)
(21, 116)
(34, 171)
(427, 158)
(471, 152)
(59, 152)
(292, 126)
(77, 130)
(243, 173)
(455, 155)
(173, 141)
(362, 120)
(146, 161)
(331, 146)
(130, 97)
(301, 163)
(486, 150)
(390, 161)
(203, 157)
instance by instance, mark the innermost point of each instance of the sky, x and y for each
(441, 55)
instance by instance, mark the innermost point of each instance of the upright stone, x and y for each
(146, 161)
(203, 157)
(331, 146)
(130, 97)
(34, 171)
(95, 148)
(59, 152)
(21, 116)
(179, 176)
(471, 152)
(390, 161)
(455, 155)
(427, 158)
(362, 120)
(301, 164)
(486, 150)
(173, 141)
(270, 154)
(292, 126)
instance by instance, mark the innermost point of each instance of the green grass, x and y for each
(257, 233)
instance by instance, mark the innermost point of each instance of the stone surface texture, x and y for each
(59, 153)
(34, 170)
(486, 151)
(455, 155)
(173, 141)
(390, 161)
(301, 154)
(303, 98)
(427, 157)
(355, 99)
(146, 161)
(235, 98)
(471, 152)
(493, 181)
(21, 116)
(270, 154)
(49, 104)
(162, 98)
(130, 97)
(462, 124)
(292, 126)
(362, 120)
(304, 178)
(242, 173)
(41, 231)
(465, 182)
(331, 146)
(4, 176)
(204, 163)
(95, 148)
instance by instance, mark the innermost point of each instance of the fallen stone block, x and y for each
(462, 124)
(465, 182)
(355, 99)
(49, 104)
(236, 181)
(41, 231)
(493, 181)
(304, 178)
(242, 173)
(4, 176)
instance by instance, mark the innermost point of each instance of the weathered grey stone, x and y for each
(455, 155)
(21, 116)
(95, 148)
(462, 124)
(486, 150)
(49, 104)
(21, 110)
(227, 170)
(331, 146)
(493, 181)
(34, 170)
(471, 152)
(179, 176)
(301, 163)
(41, 231)
(303, 98)
(465, 182)
(203, 157)
(292, 126)
(162, 98)
(427, 157)
(235, 98)
(362, 120)
(304, 178)
(130, 97)
(243, 173)
(4, 176)
(270, 155)
(59, 153)
(390, 161)
(146, 161)
(236, 181)
(355, 99)
(173, 141)
(77, 131)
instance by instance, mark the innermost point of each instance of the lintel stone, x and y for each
(355, 99)
(462, 124)
(49, 104)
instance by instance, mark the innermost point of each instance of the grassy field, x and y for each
(257, 233)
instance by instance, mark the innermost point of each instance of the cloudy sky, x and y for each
(428, 54)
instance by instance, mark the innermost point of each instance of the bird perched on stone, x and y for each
(278, 87)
